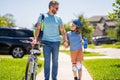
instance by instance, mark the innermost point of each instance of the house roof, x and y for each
(98, 18)
(95, 18)
(101, 26)
(113, 23)
(106, 17)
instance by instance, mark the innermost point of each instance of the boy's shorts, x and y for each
(76, 55)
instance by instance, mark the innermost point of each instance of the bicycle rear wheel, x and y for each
(29, 70)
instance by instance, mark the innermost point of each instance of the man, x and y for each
(51, 39)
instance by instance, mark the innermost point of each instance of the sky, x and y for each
(26, 12)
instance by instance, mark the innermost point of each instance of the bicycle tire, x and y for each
(28, 73)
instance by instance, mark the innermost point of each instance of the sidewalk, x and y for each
(65, 70)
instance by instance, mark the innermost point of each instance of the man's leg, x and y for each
(55, 54)
(47, 53)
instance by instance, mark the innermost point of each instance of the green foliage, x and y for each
(116, 9)
(87, 29)
(7, 20)
(113, 31)
(67, 27)
(116, 15)
(103, 69)
(118, 30)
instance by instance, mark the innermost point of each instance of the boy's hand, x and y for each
(66, 44)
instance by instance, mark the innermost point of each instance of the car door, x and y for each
(4, 40)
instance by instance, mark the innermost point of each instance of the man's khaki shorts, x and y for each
(76, 55)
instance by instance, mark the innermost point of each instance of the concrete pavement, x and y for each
(111, 52)
(65, 70)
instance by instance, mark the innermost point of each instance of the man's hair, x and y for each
(53, 3)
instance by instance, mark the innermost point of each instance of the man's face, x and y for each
(54, 9)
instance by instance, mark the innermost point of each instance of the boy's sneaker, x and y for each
(75, 78)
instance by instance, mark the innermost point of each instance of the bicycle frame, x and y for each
(32, 65)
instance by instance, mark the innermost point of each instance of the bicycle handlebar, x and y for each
(33, 42)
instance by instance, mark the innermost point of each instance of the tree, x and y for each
(7, 20)
(87, 28)
(111, 32)
(116, 15)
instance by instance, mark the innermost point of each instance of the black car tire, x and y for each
(98, 43)
(112, 42)
(17, 52)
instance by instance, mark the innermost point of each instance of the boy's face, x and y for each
(72, 26)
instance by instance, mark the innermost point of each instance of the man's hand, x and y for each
(33, 41)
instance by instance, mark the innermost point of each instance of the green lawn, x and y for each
(91, 46)
(13, 69)
(115, 45)
(110, 46)
(103, 69)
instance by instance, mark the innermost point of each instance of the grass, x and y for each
(91, 46)
(85, 53)
(92, 54)
(115, 45)
(103, 69)
(110, 45)
(12, 68)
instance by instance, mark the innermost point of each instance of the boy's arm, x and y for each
(63, 32)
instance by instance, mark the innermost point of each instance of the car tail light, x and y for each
(27, 40)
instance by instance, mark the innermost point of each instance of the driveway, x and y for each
(111, 52)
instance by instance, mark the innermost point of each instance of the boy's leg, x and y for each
(79, 63)
(74, 60)
(74, 69)
(79, 68)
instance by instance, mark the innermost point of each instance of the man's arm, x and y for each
(63, 32)
(37, 31)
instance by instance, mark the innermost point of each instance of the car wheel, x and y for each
(17, 52)
(98, 43)
(112, 42)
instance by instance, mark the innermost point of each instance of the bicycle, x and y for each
(32, 65)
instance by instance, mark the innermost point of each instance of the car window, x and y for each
(5, 32)
(24, 33)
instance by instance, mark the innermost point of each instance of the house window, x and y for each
(103, 21)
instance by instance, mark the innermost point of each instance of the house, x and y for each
(101, 24)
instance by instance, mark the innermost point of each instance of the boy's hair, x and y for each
(77, 30)
(53, 3)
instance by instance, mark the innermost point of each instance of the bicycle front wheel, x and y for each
(29, 70)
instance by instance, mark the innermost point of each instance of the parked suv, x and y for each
(12, 41)
(103, 40)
